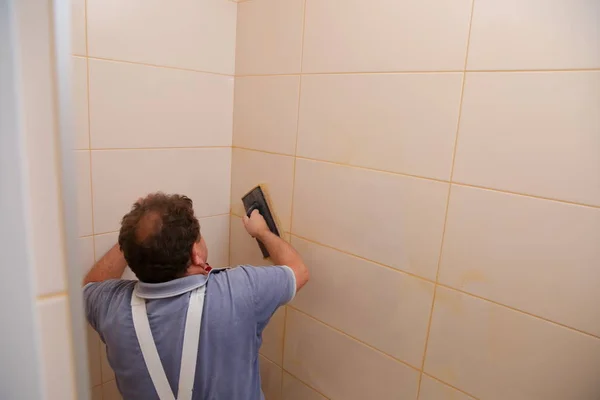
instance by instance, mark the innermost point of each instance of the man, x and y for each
(180, 303)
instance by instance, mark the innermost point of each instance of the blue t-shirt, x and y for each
(239, 303)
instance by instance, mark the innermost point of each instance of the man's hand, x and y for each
(256, 225)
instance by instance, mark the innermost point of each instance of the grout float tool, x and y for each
(257, 199)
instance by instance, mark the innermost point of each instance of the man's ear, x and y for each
(195, 256)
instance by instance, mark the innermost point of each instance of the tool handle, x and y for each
(263, 249)
(253, 207)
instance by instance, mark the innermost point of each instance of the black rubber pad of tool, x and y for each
(255, 200)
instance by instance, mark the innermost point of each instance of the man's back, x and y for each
(239, 303)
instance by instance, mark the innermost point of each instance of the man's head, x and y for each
(160, 238)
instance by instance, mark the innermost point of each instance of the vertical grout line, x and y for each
(437, 273)
(232, 134)
(230, 199)
(235, 78)
(89, 148)
(89, 151)
(304, 5)
(87, 64)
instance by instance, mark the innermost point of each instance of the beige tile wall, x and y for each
(437, 163)
(153, 90)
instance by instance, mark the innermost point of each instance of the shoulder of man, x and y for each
(100, 298)
(263, 288)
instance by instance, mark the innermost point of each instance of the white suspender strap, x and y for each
(148, 347)
(191, 339)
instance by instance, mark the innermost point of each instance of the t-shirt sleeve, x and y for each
(100, 297)
(271, 287)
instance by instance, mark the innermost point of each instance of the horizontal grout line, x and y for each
(54, 295)
(155, 65)
(534, 70)
(105, 233)
(449, 385)
(573, 203)
(448, 287)
(373, 169)
(157, 148)
(116, 231)
(449, 71)
(344, 165)
(424, 178)
(518, 310)
(213, 216)
(304, 383)
(288, 372)
(263, 151)
(364, 259)
(353, 338)
(351, 73)
(408, 364)
(269, 359)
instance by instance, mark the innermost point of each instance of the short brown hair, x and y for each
(157, 237)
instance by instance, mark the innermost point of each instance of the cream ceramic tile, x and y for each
(78, 40)
(385, 35)
(272, 337)
(120, 177)
(96, 393)
(110, 391)
(496, 353)
(94, 347)
(84, 193)
(276, 172)
(80, 103)
(86, 254)
(243, 249)
(293, 389)
(140, 106)
(535, 34)
(331, 362)
(536, 255)
(390, 312)
(104, 243)
(533, 133)
(269, 37)
(216, 234)
(399, 122)
(107, 373)
(432, 389)
(266, 113)
(57, 355)
(392, 219)
(270, 375)
(195, 34)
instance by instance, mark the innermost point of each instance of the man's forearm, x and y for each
(110, 266)
(282, 253)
